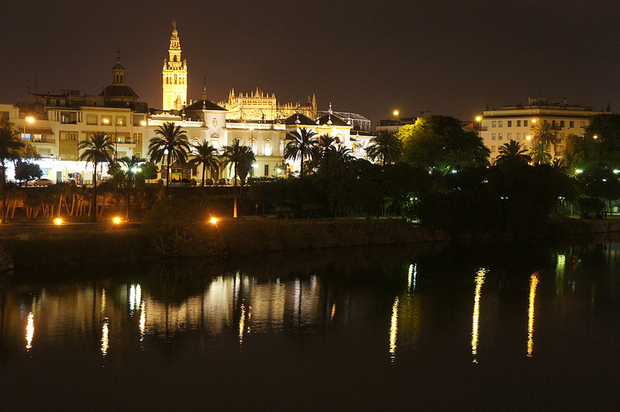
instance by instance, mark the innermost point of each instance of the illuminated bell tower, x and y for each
(174, 75)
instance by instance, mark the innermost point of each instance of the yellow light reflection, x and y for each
(135, 297)
(530, 315)
(241, 324)
(394, 330)
(105, 342)
(476, 316)
(333, 312)
(29, 331)
(102, 300)
(559, 275)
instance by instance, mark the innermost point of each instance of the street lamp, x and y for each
(479, 120)
(396, 113)
(29, 120)
(108, 121)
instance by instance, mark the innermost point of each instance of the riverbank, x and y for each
(72, 244)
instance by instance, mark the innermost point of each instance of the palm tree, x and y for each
(205, 156)
(512, 153)
(341, 159)
(385, 147)
(326, 145)
(543, 132)
(131, 164)
(540, 153)
(96, 149)
(10, 145)
(299, 146)
(240, 158)
(171, 144)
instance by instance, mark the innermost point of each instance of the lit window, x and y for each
(501, 123)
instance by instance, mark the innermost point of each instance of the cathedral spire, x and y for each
(174, 74)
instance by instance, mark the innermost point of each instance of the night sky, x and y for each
(370, 57)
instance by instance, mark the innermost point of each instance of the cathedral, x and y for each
(55, 123)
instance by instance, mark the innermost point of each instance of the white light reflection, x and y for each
(135, 297)
(476, 316)
(412, 277)
(394, 330)
(29, 331)
(142, 320)
(105, 343)
(530, 315)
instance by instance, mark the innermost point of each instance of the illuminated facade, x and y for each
(515, 122)
(174, 75)
(261, 106)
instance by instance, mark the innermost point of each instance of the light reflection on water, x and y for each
(421, 306)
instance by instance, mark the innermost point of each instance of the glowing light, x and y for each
(616, 171)
(241, 324)
(213, 220)
(105, 341)
(478, 118)
(528, 137)
(58, 221)
(29, 331)
(333, 312)
(143, 123)
(595, 137)
(30, 119)
(102, 300)
(142, 320)
(116, 220)
(530, 315)
(476, 316)
(412, 277)
(533, 120)
(394, 330)
(135, 296)
(396, 112)
(559, 275)
(578, 171)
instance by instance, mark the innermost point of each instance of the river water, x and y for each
(479, 327)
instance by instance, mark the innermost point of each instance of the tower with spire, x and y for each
(174, 75)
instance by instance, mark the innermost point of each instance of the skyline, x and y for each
(451, 59)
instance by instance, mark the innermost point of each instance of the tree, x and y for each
(540, 152)
(299, 146)
(240, 158)
(26, 171)
(205, 157)
(441, 143)
(96, 149)
(543, 132)
(512, 153)
(385, 147)
(10, 145)
(326, 146)
(169, 144)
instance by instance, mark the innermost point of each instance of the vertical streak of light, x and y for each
(476, 316)
(142, 320)
(394, 330)
(30, 331)
(412, 277)
(333, 312)
(530, 313)
(102, 301)
(559, 275)
(105, 343)
(132, 298)
(241, 324)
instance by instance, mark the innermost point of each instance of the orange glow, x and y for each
(213, 220)
(30, 119)
(530, 315)
(58, 221)
(476, 316)
(116, 220)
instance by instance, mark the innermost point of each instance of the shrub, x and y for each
(175, 228)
